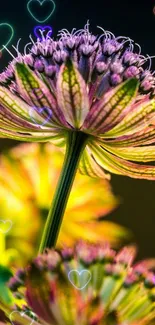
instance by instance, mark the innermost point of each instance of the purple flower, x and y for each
(100, 86)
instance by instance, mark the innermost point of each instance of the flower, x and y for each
(35, 169)
(111, 291)
(100, 86)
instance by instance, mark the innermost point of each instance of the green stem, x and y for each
(75, 146)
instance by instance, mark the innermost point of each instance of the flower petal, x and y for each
(143, 137)
(105, 115)
(143, 154)
(139, 116)
(10, 120)
(35, 91)
(58, 138)
(120, 166)
(72, 94)
(89, 166)
(14, 103)
(15, 109)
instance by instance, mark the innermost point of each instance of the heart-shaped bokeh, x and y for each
(41, 111)
(79, 279)
(17, 316)
(47, 30)
(5, 226)
(7, 30)
(41, 10)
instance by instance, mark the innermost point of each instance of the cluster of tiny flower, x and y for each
(112, 59)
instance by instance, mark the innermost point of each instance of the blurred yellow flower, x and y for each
(28, 174)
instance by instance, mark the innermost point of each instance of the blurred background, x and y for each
(133, 18)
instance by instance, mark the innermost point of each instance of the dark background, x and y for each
(128, 18)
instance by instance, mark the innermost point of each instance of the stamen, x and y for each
(32, 39)
(9, 52)
(47, 36)
(86, 27)
(17, 47)
(131, 47)
(25, 48)
(79, 32)
(104, 33)
(128, 39)
(123, 37)
(148, 58)
(110, 33)
(42, 34)
(72, 32)
(139, 47)
(63, 33)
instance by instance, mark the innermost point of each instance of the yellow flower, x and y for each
(28, 174)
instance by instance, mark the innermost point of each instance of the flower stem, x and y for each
(75, 146)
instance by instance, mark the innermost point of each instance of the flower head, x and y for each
(35, 168)
(89, 285)
(98, 85)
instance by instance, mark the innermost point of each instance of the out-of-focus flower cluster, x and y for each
(117, 292)
(28, 174)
